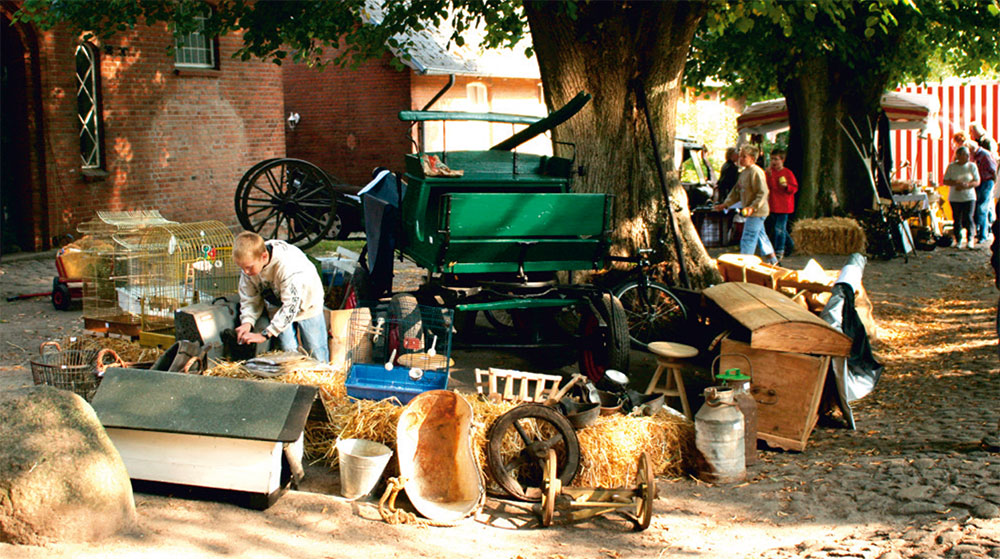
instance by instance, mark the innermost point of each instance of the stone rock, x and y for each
(994, 553)
(918, 507)
(986, 510)
(924, 463)
(891, 554)
(61, 478)
(915, 493)
(950, 538)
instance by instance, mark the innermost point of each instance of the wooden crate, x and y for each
(750, 269)
(787, 388)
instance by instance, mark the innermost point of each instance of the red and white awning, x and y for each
(906, 111)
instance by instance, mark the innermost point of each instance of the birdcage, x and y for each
(110, 267)
(175, 265)
(398, 351)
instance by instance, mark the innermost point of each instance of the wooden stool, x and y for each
(668, 356)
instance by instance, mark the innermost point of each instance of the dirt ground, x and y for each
(911, 481)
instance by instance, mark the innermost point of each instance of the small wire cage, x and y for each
(416, 337)
(110, 263)
(179, 264)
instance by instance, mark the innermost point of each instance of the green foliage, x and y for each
(303, 30)
(757, 45)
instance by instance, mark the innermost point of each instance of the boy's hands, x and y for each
(245, 336)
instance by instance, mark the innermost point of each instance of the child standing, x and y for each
(781, 187)
(278, 273)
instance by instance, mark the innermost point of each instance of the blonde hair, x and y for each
(248, 246)
(752, 151)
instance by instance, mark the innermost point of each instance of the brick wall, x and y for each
(177, 141)
(349, 123)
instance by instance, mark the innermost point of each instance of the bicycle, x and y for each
(652, 310)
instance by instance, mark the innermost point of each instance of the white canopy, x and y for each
(906, 111)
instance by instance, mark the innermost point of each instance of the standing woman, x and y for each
(962, 176)
(751, 193)
(781, 186)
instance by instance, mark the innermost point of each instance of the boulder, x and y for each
(61, 479)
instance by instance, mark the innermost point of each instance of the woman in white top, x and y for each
(962, 176)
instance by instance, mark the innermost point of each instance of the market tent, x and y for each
(906, 111)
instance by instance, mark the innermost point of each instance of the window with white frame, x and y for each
(88, 105)
(196, 49)
(475, 93)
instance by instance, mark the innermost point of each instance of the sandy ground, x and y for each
(911, 481)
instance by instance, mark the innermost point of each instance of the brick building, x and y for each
(125, 125)
(349, 118)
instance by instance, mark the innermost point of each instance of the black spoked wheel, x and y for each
(287, 199)
(605, 349)
(653, 313)
(518, 445)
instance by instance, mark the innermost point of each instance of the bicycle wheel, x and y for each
(652, 314)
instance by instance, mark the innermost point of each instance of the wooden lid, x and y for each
(672, 350)
(775, 322)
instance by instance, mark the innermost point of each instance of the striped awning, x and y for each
(911, 111)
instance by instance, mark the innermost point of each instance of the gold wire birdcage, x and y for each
(178, 264)
(109, 268)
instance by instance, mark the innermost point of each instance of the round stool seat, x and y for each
(672, 350)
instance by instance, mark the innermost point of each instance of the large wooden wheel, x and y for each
(287, 199)
(518, 447)
(551, 486)
(646, 482)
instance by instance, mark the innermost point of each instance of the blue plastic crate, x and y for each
(373, 382)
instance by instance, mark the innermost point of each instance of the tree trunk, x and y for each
(601, 51)
(825, 93)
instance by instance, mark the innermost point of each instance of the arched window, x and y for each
(88, 106)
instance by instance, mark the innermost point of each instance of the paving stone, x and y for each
(986, 510)
(916, 493)
(918, 507)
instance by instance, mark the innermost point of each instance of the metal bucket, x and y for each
(434, 442)
(361, 465)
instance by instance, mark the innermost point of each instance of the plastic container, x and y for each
(718, 435)
(374, 382)
(361, 465)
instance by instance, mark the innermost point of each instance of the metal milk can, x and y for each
(718, 435)
(740, 383)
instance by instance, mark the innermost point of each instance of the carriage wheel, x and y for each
(287, 199)
(597, 356)
(405, 325)
(646, 483)
(551, 486)
(518, 445)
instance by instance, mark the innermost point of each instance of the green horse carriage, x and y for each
(497, 240)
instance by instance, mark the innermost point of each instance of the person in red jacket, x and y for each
(781, 186)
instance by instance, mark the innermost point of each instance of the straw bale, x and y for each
(610, 448)
(129, 351)
(828, 235)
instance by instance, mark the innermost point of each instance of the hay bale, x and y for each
(828, 235)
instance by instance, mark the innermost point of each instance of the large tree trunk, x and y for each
(601, 51)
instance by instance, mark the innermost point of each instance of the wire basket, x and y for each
(401, 333)
(76, 369)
